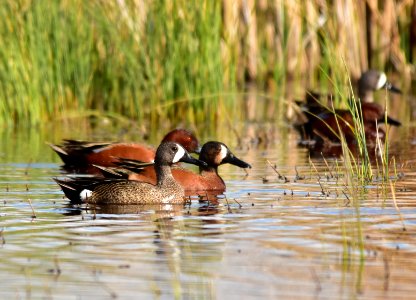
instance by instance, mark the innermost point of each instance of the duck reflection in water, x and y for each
(203, 208)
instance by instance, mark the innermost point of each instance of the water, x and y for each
(274, 239)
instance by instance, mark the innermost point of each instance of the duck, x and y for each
(80, 156)
(103, 191)
(213, 153)
(327, 125)
(322, 122)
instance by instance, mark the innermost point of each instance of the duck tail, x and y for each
(61, 152)
(71, 190)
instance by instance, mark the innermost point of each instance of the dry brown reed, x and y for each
(365, 33)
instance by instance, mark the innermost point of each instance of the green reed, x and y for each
(44, 67)
(357, 171)
(362, 162)
(65, 56)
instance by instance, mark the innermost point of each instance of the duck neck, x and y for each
(210, 174)
(163, 174)
(366, 96)
(208, 170)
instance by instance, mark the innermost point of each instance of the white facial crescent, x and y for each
(179, 154)
(223, 152)
(381, 81)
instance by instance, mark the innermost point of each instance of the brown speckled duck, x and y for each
(124, 191)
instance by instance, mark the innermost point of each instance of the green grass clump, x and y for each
(64, 56)
(43, 67)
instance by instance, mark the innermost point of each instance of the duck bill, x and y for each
(391, 121)
(231, 159)
(190, 160)
(389, 86)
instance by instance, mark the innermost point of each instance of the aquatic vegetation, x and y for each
(103, 56)
(152, 60)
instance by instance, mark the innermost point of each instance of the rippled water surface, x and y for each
(270, 238)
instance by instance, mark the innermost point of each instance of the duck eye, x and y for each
(174, 148)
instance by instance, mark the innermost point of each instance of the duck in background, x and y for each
(81, 156)
(212, 153)
(321, 125)
(124, 191)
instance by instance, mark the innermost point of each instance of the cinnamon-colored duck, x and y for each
(212, 153)
(80, 156)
